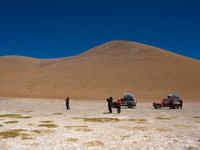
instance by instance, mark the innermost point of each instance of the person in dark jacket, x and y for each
(181, 103)
(109, 100)
(171, 103)
(67, 103)
(119, 105)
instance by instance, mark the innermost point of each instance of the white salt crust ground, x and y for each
(139, 128)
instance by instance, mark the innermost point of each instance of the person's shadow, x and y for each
(105, 113)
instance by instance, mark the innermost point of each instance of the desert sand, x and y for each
(113, 68)
(46, 124)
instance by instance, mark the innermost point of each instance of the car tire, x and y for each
(176, 106)
(158, 106)
(130, 106)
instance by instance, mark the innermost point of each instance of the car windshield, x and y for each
(165, 100)
(177, 100)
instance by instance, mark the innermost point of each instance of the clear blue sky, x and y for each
(62, 28)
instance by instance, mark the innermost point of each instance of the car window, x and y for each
(166, 100)
(176, 100)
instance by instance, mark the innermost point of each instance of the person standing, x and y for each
(67, 103)
(109, 100)
(171, 103)
(119, 105)
(181, 103)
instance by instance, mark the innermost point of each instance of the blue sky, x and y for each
(62, 28)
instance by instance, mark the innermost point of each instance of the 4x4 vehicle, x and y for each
(127, 101)
(166, 103)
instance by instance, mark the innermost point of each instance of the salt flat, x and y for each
(46, 124)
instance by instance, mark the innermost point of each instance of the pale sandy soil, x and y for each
(141, 128)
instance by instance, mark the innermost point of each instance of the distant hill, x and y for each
(110, 69)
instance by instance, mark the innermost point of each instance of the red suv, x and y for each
(166, 103)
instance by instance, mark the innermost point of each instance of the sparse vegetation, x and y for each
(48, 125)
(131, 120)
(11, 122)
(57, 113)
(42, 131)
(196, 117)
(123, 137)
(101, 119)
(190, 148)
(179, 136)
(24, 111)
(36, 131)
(77, 118)
(11, 133)
(30, 124)
(25, 136)
(1, 125)
(161, 118)
(83, 129)
(46, 121)
(94, 143)
(72, 139)
(98, 119)
(25, 117)
(47, 131)
(19, 130)
(174, 116)
(142, 120)
(145, 136)
(163, 130)
(15, 116)
(75, 126)
(133, 128)
(11, 115)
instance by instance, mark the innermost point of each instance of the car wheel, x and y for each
(158, 106)
(130, 106)
(176, 106)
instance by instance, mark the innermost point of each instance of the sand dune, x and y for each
(110, 69)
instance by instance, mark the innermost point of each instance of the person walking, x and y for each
(181, 103)
(171, 103)
(67, 103)
(109, 100)
(119, 105)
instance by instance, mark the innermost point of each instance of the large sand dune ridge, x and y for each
(110, 69)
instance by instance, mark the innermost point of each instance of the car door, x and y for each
(166, 103)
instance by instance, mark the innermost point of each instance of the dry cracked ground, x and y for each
(46, 124)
